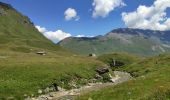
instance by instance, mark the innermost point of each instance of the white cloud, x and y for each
(41, 29)
(71, 14)
(55, 36)
(81, 35)
(152, 17)
(103, 7)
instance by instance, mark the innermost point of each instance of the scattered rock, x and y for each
(10, 98)
(90, 99)
(68, 94)
(55, 86)
(47, 90)
(40, 91)
(102, 70)
(32, 95)
(25, 95)
(97, 76)
(60, 89)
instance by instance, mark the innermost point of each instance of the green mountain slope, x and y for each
(23, 72)
(152, 82)
(142, 42)
(17, 31)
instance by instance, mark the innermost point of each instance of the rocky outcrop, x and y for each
(101, 71)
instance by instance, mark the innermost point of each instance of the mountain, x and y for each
(137, 41)
(18, 32)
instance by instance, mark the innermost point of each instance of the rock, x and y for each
(55, 86)
(97, 76)
(90, 99)
(25, 95)
(42, 98)
(32, 95)
(40, 91)
(102, 70)
(60, 89)
(51, 94)
(10, 98)
(47, 90)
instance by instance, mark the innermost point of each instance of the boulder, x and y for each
(40, 91)
(102, 70)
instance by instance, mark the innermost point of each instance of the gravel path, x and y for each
(120, 77)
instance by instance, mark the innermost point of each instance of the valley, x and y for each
(124, 64)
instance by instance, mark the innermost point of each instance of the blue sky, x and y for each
(50, 15)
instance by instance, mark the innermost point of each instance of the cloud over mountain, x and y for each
(149, 17)
(55, 36)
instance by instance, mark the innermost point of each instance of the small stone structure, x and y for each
(43, 53)
(92, 55)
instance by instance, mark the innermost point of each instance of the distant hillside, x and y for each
(143, 42)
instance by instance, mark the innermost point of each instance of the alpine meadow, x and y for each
(101, 50)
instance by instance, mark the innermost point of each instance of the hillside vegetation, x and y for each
(18, 32)
(125, 58)
(151, 82)
(24, 73)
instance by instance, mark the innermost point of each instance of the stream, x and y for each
(119, 77)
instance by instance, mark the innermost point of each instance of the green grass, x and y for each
(125, 58)
(25, 73)
(22, 71)
(152, 82)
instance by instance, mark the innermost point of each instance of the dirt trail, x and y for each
(120, 77)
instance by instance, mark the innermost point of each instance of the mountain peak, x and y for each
(122, 40)
(133, 31)
(6, 6)
(18, 30)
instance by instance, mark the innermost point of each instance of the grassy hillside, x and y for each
(23, 72)
(130, 42)
(152, 82)
(125, 58)
(27, 73)
(17, 31)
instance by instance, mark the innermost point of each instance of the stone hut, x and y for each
(43, 53)
(92, 55)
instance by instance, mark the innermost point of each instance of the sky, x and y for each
(58, 19)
